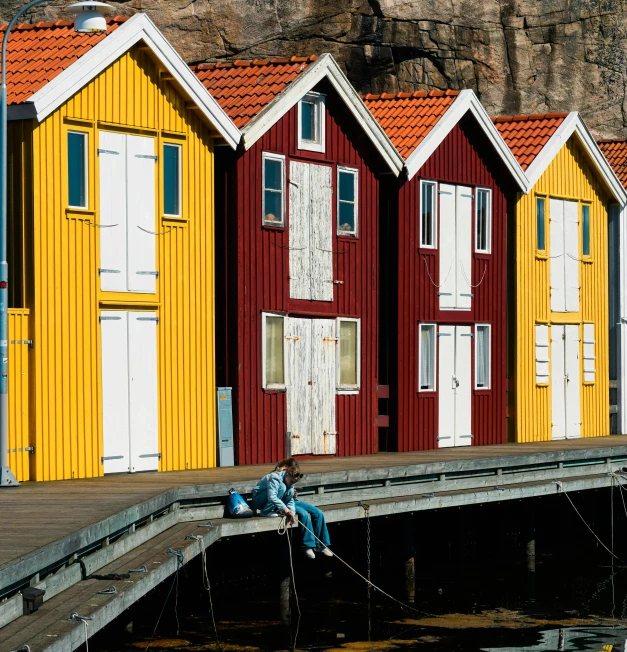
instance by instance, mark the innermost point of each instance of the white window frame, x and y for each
(547, 346)
(281, 159)
(355, 174)
(264, 384)
(347, 389)
(488, 250)
(589, 375)
(85, 136)
(489, 366)
(319, 100)
(434, 213)
(180, 179)
(435, 355)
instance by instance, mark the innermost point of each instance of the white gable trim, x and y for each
(138, 28)
(324, 66)
(465, 101)
(573, 124)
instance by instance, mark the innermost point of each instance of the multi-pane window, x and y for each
(273, 209)
(540, 225)
(589, 357)
(311, 122)
(273, 340)
(426, 358)
(482, 356)
(585, 230)
(428, 194)
(77, 169)
(347, 201)
(483, 220)
(172, 179)
(348, 364)
(542, 354)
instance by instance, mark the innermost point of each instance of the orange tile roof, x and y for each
(615, 151)
(38, 52)
(526, 135)
(244, 88)
(407, 118)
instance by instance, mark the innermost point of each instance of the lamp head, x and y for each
(90, 16)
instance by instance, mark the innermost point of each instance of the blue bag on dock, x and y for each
(236, 506)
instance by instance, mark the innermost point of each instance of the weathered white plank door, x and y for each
(464, 222)
(572, 381)
(463, 386)
(446, 386)
(115, 398)
(448, 265)
(141, 178)
(298, 334)
(112, 218)
(142, 383)
(558, 383)
(299, 230)
(324, 347)
(556, 253)
(321, 232)
(571, 256)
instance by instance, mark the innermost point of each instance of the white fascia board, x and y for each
(138, 28)
(465, 101)
(573, 124)
(324, 66)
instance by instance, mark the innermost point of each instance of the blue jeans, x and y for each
(313, 518)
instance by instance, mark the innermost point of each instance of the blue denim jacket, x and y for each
(271, 494)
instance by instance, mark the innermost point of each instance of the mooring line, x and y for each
(174, 581)
(283, 529)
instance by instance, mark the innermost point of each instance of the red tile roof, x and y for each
(526, 135)
(244, 88)
(38, 52)
(615, 151)
(407, 118)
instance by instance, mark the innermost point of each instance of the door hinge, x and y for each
(105, 318)
(107, 151)
(464, 195)
(330, 339)
(444, 334)
(153, 157)
(466, 437)
(30, 449)
(158, 455)
(439, 438)
(444, 192)
(155, 274)
(30, 343)
(466, 294)
(445, 294)
(101, 270)
(155, 319)
(111, 457)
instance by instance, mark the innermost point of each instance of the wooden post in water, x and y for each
(285, 581)
(530, 537)
(409, 557)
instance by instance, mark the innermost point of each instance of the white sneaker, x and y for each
(326, 552)
(309, 553)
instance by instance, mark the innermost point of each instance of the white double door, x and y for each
(565, 382)
(455, 386)
(311, 372)
(129, 391)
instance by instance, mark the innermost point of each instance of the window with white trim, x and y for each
(347, 187)
(541, 225)
(585, 230)
(311, 122)
(77, 169)
(273, 340)
(273, 200)
(483, 220)
(426, 357)
(482, 356)
(348, 360)
(589, 357)
(428, 203)
(172, 179)
(542, 354)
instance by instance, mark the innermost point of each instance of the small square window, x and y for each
(172, 179)
(540, 225)
(428, 194)
(347, 202)
(273, 209)
(349, 351)
(482, 357)
(483, 221)
(585, 230)
(311, 122)
(426, 358)
(77, 169)
(273, 347)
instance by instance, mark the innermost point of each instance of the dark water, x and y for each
(473, 590)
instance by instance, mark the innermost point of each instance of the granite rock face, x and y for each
(520, 56)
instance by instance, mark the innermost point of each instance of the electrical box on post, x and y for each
(226, 455)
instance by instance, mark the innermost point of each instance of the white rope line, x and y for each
(485, 269)
(175, 581)
(424, 259)
(207, 586)
(86, 636)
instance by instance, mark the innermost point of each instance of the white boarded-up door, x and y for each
(564, 255)
(565, 382)
(324, 347)
(299, 388)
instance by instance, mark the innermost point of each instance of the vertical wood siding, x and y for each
(464, 158)
(131, 97)
(570, 176)
(258, 275)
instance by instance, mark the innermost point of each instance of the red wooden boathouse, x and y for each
(297, 258)
(444, 349)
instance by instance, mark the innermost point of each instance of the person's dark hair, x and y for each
(290, 466)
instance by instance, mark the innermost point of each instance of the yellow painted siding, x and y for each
(570, 176)
(130, 97)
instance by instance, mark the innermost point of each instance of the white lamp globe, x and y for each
(90, 16)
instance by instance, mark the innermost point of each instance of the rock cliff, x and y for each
(520, 56)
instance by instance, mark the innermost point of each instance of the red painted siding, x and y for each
(465, 157)
(254, 270)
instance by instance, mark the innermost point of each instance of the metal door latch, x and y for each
(455, 383)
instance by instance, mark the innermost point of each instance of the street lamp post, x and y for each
(90, 20)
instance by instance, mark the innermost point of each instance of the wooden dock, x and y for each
(54, 534)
